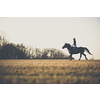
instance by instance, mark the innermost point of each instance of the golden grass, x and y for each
(50, 71)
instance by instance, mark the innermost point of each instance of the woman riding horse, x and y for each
(74, 43)
(73, 51)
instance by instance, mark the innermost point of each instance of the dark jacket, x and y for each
(74, 43)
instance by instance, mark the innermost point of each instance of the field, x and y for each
(49, 71)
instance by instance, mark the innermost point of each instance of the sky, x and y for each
(53, 32)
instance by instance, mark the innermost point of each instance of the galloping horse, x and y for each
(76, 51)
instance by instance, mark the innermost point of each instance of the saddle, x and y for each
(75, 49)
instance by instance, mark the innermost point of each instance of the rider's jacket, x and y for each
(74, 43)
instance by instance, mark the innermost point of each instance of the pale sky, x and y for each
(53, 32)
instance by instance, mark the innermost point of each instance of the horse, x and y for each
(76, 50)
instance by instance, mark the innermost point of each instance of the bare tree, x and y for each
(37, 53)
(3, 38)
(45, 53)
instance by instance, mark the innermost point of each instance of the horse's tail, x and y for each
(87, 51)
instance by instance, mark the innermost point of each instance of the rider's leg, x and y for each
(74, 47)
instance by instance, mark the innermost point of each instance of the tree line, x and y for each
(20, 51)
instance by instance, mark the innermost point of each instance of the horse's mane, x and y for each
(69, 44)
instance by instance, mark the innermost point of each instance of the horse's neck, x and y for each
(69, 48)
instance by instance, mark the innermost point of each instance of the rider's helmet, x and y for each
(74, 39)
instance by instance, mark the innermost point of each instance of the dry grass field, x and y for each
(49, 71)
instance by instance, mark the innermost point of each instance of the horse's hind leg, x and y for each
(85, 56)
(70, 57)
(80, 56)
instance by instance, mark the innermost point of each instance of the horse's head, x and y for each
(66, 45)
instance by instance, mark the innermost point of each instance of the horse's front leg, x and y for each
(70, 57)
(80, 56)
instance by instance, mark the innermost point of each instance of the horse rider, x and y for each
(74, 43)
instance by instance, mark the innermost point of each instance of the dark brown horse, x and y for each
(76, 50)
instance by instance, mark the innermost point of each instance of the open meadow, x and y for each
(49, 71)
